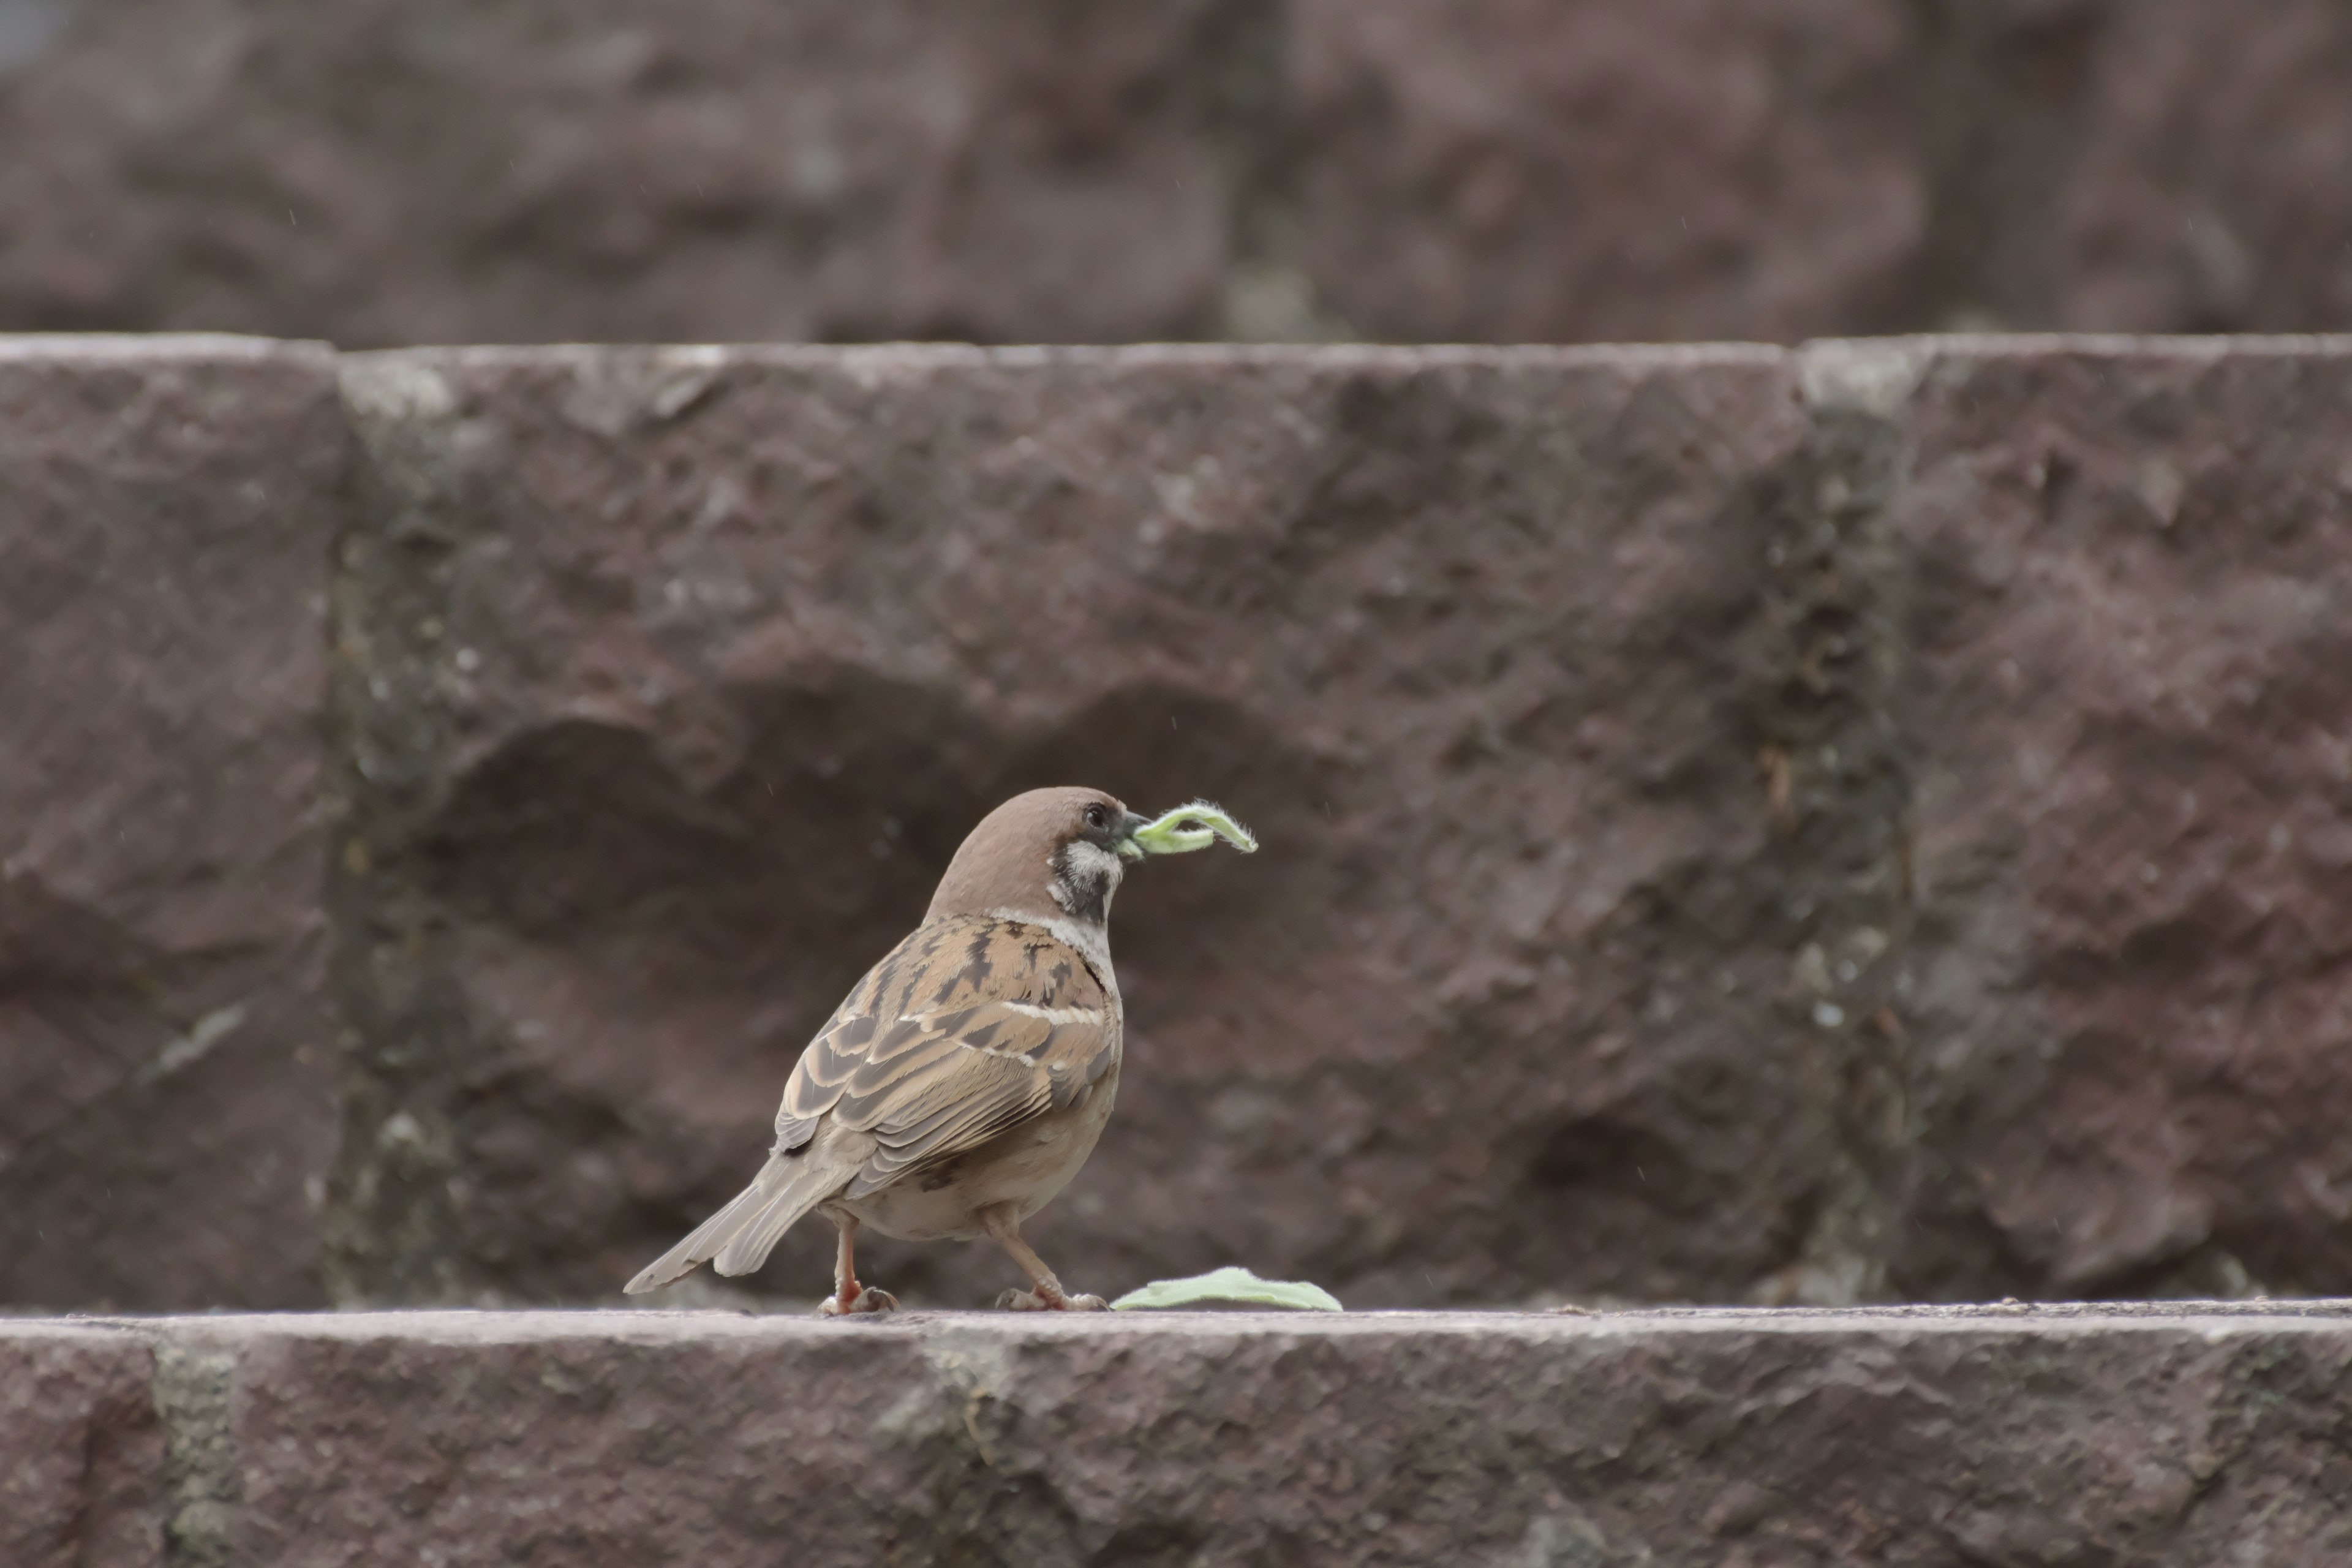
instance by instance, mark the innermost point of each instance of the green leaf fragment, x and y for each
(1228, 1284)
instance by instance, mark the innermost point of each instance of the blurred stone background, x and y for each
(373, 172)
(1848, 822)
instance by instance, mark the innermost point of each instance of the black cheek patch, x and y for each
(1085, 896)
(1088, 902)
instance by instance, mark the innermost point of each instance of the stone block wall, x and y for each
(1855, 823)
(2128, 581)
(673, 678)
(372, 172)
(168, 1105)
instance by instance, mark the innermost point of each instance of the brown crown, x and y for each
(1007, 862)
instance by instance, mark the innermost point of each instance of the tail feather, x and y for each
(742, 1235)
(761, 1230)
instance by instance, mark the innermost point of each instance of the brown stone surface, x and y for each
(1915, 1440)
(376, 172)
(1518, 170)
(672, 679)
(2143, 166)
(2129, 572)
(1707, 824)
(166, 1110)
(2214, 191)
(81, 1452)
(702, 170)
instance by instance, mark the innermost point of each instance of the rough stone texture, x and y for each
(670, 679)
(703, 170)
(1917, 1439)
(2129, 602)
(1522, 170)
(1742, 825)
(2141, 165)
(81, 1452)
(166, 1098)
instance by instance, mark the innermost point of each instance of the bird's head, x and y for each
(1059, 854)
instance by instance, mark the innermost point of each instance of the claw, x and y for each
(868, 1300)
(1039, 1301)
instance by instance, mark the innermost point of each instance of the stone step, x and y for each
(2188, 1435)
(1870, 820)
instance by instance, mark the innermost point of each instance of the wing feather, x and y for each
(968, 1027)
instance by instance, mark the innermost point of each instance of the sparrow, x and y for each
(963, 1081)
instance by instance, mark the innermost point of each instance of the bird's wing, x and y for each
(968, 1027)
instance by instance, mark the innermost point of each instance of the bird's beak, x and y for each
(1129, 824)
(1181, 831)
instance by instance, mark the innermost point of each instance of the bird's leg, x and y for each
(845, 1288)
(1044, 1293)
(848, 1296)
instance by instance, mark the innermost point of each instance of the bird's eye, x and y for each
(1097, 816)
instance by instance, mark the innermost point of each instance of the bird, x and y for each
(963, 1081)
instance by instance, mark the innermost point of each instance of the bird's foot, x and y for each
(868, 1300)
(1047, 1300)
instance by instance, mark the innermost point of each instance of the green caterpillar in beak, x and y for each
(1185, 829)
